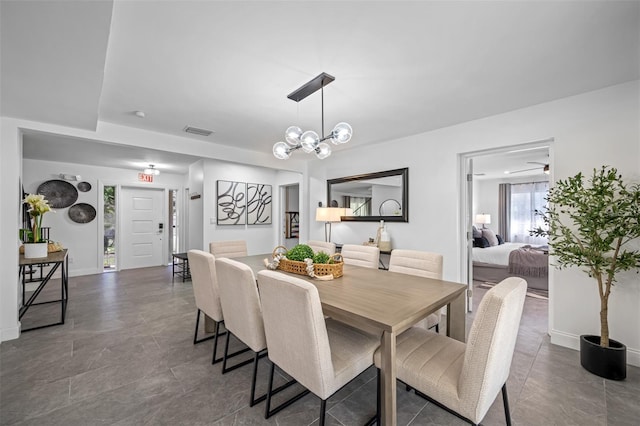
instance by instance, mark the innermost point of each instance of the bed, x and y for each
(495, 263)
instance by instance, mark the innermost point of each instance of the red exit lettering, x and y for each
(145, 178)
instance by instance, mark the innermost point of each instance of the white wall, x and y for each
(589, 130)
(260, 238)
(10, 222)
(84, 241)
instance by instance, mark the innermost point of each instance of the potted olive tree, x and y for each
(590, 225)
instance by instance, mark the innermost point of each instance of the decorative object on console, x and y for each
(258, 204)
(309, 141)
(34, 245)
(385, 240)
(82, 213)
(232, 203)
(59, 193)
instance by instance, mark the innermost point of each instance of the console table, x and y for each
(56, 260)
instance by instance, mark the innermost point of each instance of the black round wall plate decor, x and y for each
(82, 213)
(84, 187)
(59, 193)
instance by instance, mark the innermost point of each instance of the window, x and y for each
(526, 198)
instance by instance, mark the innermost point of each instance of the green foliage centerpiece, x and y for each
(302, 260)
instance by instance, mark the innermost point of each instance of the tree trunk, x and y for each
(604, 321)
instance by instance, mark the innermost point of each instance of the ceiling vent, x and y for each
(196, 131)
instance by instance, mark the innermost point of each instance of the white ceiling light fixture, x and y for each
(151, 170)
(309, 141)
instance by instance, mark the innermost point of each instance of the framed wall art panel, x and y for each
(232, 203)
(258, 204)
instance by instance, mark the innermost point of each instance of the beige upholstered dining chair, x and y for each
(465, 379)
(327, 355)
(318, 246)
(243, 316)
(361, 255)
(423, 264)
(228, 249)
(206, 292)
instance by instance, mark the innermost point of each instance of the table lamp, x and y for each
(483, 219)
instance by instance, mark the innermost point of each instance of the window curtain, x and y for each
(526, 198)
(504, 210)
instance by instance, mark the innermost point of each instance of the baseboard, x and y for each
(572, 341)
(10, 333)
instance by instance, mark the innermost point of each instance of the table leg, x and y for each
(456, 310)
(388, 379)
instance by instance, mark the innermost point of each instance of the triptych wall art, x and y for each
(241, 203)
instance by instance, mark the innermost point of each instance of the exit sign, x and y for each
(145, 178)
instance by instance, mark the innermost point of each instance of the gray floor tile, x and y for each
(126, 357)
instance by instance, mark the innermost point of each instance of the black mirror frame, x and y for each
(405, 195)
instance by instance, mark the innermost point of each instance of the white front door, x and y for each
(142, 213)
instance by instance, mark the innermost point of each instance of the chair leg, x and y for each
(323, 411)
(226, 355)
(268, 412)
(215, 344)
(505, 399)
(195, 334)
(437, 327)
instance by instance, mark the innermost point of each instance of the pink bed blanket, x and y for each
(529, 262)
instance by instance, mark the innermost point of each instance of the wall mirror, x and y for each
(372, 196)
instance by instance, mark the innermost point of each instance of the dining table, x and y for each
(386, 304)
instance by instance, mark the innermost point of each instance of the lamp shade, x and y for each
(484, 218)
(329, 214)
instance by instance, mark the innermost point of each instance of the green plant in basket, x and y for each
(322, 257)
(300, 252)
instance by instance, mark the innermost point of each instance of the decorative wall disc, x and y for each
(82, 213)
(84, 187)
(59, 193)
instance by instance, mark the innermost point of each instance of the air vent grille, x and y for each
(197, 131)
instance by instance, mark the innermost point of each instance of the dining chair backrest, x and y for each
(318, 246)
(228, 249)
(295, 328)
(414, 262)
(490, 345)
(361, 255)
(241, 303)
(205, 283)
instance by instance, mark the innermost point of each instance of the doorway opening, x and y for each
(291, 219)
(109, 195)
(502, 190)
(173, 224)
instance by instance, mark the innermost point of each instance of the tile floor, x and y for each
(125, 357)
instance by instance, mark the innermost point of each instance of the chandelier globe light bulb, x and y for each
(292, 135)
(281, 151)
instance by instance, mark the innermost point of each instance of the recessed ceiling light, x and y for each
(140, 114)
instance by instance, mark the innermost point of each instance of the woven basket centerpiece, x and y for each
(319, 269)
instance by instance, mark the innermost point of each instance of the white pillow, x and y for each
(490, 236)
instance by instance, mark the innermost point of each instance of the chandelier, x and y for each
(309, 141)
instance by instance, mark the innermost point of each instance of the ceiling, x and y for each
(401, 68)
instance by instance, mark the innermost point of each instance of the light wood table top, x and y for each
(388, 303)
